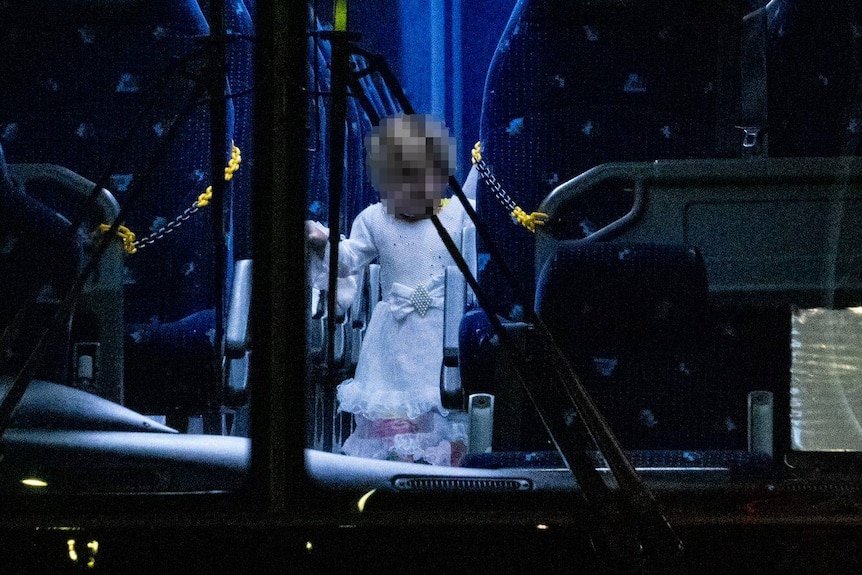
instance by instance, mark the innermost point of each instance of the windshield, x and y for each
(667, 220)
(126, 171)
(604, 249)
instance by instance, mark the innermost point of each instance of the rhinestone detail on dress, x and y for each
(421, 300)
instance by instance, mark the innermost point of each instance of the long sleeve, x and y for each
(360, 248)
(353, 253)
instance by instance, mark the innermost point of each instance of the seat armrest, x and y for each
(237, 324)
(451, 391)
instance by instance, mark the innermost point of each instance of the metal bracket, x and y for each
(750, 136)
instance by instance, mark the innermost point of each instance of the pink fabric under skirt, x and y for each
(429, 438)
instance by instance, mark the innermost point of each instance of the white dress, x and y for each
(398, 374)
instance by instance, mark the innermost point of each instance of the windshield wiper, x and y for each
(630, 527)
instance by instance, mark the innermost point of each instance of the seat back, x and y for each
(574, 85)
(120, 94)
(814, 65)
(41, 259)
(239, 33)
(634, 321)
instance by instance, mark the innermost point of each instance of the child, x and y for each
(395, 393)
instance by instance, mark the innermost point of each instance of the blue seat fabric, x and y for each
(102, 67)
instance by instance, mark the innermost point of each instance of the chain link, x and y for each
(495, 186)
(529, 221)
(168, 228)
(132, 245)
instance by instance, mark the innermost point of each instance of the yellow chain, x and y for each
(130, 243)
(476, 154)
(232, 166)
(125, 234)
(529, 221)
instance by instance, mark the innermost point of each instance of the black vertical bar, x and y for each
(218, 140)
(338, 105)
(277, 419)
(753, 83)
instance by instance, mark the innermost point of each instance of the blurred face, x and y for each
(410, 159)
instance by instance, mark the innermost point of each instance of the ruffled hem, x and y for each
(430, 439)
(357, 397)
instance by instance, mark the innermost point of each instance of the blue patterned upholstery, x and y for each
(358, 192)
(635, 322)
(118, 94)
(571, 87)
(574, 86)
(814, 52)
(239, 31)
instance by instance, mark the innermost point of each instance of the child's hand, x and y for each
(316, 236)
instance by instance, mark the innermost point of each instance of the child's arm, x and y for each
(316, 236)
(353, 253)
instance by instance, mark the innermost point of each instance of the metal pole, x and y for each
(338, 106)
(218, 141)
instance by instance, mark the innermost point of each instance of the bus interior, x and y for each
(651, 323)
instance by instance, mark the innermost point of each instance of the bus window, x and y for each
(640, 228)
(126, 169)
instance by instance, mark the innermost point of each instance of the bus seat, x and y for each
(316, 125)
(375, 101)
(41, 257)
(186, 348)
(814, 59)
(239, 42)
(634, 320)
(33, 236)
(119, 95)
(574, 85)
(250, 6)
(458, 299)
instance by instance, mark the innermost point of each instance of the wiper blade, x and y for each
(631, 527)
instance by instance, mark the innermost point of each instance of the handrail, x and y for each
(777, 228)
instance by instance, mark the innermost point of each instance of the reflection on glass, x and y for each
(126, 247)
(826, 380)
